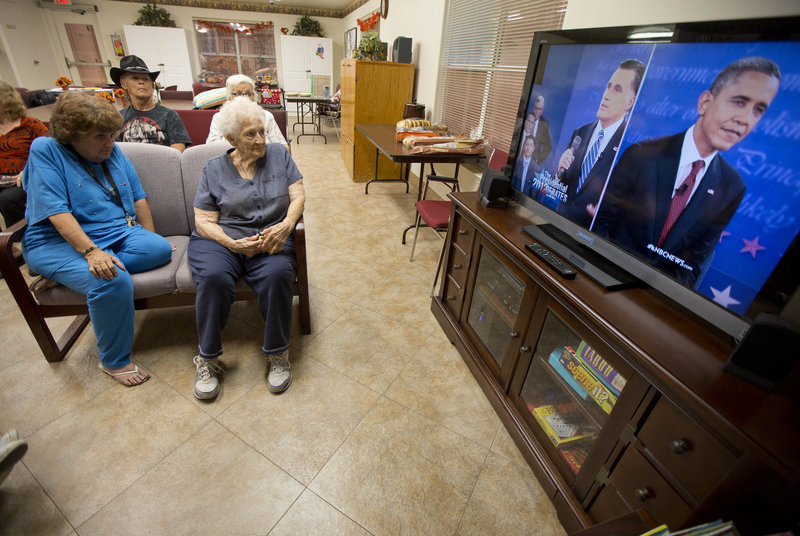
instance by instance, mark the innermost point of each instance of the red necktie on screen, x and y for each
(680, 199)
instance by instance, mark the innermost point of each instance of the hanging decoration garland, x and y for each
(369, 23)
(227, 28)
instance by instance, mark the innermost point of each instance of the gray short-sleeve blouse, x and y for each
(248, 206)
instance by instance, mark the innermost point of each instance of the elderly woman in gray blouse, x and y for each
(245, 211)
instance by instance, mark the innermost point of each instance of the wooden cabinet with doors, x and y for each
(669, 433)
(372, 92)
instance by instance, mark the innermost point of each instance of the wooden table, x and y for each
(383, 137)
(43, 113)
(308, 107)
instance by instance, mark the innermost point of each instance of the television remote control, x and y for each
(563, 268)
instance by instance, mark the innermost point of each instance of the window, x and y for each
(227, 48)
(484, 57)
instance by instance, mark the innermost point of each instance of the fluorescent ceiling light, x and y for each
(651, 33)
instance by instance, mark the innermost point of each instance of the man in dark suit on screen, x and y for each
(584, 167)
(525, 168)
(669, 199)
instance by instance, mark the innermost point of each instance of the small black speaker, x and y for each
(401, 50)
(494, 188)
(768, 353)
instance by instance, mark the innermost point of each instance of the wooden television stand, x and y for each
(680, 439)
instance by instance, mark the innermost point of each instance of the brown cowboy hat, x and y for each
(132, 64)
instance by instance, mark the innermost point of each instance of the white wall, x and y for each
(30, 59)
(591, 13)
(422, 21)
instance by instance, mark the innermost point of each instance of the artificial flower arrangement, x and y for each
(119, 93)
(63, 82)
(369, 23)
(106, 95)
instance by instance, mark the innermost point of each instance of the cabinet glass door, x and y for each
(495, 305)
(569, 390)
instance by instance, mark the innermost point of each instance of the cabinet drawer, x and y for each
(459, 264)
(453, 296)
(685, 449)
(463, 234)
(641, 486)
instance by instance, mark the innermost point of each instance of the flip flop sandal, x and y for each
(116, 375)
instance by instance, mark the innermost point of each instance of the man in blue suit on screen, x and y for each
(669, 199)
(584, 167)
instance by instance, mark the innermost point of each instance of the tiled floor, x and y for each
(384, 430)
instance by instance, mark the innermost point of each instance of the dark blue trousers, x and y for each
(215, 271)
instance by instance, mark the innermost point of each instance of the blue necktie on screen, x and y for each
(589, 161)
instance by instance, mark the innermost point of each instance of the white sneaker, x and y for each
(12, 449)
(280, 373)
(206, 384)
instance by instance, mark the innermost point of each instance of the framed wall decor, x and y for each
(116, 43)
(350, 41)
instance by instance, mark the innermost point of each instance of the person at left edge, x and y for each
(146, 121)
(89, 224)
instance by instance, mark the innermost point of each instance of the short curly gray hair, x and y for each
(236, 79)
(234, 113)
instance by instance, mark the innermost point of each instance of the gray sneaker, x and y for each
(206, 384)
(280, 372)
(12, 449)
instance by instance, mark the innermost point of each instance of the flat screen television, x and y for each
(693, 187)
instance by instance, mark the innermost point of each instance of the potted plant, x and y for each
(308, 27)
(370, 48)
(152, 15)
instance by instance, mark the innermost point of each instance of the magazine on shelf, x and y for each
(601, 368)
(596, 389)
(557, 428)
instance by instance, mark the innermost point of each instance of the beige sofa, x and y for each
(170, 179)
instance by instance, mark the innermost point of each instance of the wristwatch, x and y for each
(88, 250)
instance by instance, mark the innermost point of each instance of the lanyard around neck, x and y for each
(111, 188)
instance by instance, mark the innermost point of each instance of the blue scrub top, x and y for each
(56, 182)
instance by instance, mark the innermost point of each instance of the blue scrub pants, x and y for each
(110, 302)
(215, 271)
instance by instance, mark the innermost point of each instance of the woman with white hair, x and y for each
(245, 211)
(239, 85)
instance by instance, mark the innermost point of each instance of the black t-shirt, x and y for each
(160, 125)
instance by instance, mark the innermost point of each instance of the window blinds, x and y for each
(485, 51)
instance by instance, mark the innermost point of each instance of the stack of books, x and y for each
(590, 376)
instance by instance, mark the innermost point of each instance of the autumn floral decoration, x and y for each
(369, 23)
(63, 82)
(119, 93)
(106, 95)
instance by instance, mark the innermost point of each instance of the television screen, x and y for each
(677, 158)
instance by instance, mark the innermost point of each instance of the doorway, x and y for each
(78, 36)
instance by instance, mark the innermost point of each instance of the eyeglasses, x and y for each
(239, 94)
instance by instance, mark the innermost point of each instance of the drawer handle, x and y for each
(525, 349)
(678, 446)
(451, 298)
(514, 334)
(462, 232)
(456, 267)
(643, 494)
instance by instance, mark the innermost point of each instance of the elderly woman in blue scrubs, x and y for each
(245, 211)
(89, 225)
